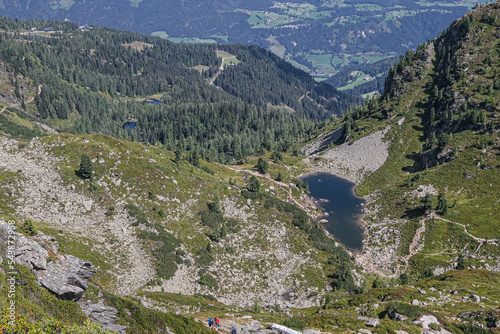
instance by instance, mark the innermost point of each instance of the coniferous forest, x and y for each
(98, 80)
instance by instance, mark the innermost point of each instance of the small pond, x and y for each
(342, 207)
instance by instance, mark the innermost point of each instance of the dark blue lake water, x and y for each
(129, 126)
(336, 196)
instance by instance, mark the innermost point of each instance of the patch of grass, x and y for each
(9, 126)
(140, 319)
(92, 293)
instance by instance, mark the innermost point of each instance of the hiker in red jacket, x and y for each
(217, 322)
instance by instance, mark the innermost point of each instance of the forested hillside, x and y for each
(321, 36)
(99, 80)
(370, 79)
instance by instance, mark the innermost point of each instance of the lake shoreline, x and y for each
(343, 210)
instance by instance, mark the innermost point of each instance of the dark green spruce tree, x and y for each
(86, 169)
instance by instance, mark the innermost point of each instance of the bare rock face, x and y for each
(65, 284)
(357, 160)
(76, 265)
(65, 278)
(106, 315)
(30, 253)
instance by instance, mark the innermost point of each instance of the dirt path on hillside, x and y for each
(268, 177)
(221, 68)
(480, 240)
(414, 246)
(27, 101)
(39, 90)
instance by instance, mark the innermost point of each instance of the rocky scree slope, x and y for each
(113, 225)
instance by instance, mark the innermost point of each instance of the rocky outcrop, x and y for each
(426, 320)
(396, 316)
(106, 315)
(64, 275)
(283, 329)
(29, 253)
(322, 142)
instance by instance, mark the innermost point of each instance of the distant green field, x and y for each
(294, 63)
(276, 47)
(321, 62)
(227, 58)
(368, 7)
(163, 34)
(268, 20)
(192, 40)
(389, 16)
(135, 3)
(344, 20)
(225, 38)
(369, 95)
(334, 3)
(358, 78)
(339, 61)
(62, 4)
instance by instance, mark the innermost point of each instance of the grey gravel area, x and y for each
(354, 161)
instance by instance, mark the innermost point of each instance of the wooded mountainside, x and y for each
(96, 81)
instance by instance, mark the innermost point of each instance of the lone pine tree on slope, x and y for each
(86, 168)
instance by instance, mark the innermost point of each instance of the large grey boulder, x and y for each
(58, 279)
(283, 329)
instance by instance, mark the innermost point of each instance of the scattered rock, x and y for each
(396, 316)
(283, 329)
(476, 298)
(371, 322)
(105, 315)
(87, 205)
(311, 331)
(364, 331)
(426, 320)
